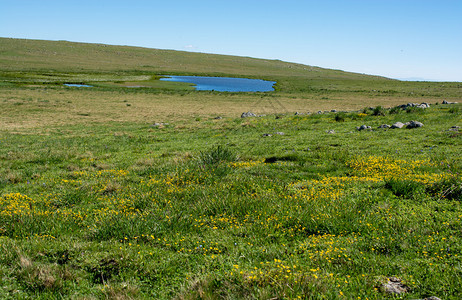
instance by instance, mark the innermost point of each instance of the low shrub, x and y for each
(340, 117)
(378, 111)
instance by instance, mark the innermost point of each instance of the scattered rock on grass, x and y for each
(397, 125)
(159, 124)
(248, 114)
(266, 134)
(446, 102)
(364, 127)
(454, 128)
(384, 126)
(280, 133)
(414, 124)
(394, 286)
(423, 105)
(330, 131)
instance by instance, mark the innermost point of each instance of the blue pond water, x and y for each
(77, 85)
(225, 84)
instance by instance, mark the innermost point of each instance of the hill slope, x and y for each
(63, 56)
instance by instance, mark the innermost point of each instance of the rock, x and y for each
(394, 286)
(364, 127)
(280, 133)
(218, 118)
(330, 131)
(248, 114)
(423, 105)
(298, 113)
(266, 134)
(446, 102)
(319, 112)
(414, 124)
(397, 125)
(158, 124)
(333, 110)
(384, 126)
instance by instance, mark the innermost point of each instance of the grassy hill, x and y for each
(62, 56)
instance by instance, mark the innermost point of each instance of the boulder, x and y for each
(266, 134)
(446, 102)
(363, 127)
(248, 114)
(414, 124)
(280, 133)
(394, 286)
(423, 105)
(330, 131)
(384, 126)
(397, 125)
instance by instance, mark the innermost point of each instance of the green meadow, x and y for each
(164, 192)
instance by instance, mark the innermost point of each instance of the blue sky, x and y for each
(392, 38)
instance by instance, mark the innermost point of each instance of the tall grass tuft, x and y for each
(404, 188)
(217, 155)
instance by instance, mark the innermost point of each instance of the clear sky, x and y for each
(393, 38)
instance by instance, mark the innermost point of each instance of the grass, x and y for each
(98, 202)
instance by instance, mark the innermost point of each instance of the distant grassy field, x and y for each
(142, 193)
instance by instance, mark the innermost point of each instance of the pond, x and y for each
(225, 84)
(77, 85)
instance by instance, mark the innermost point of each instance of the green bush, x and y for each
(340, 117)
(395, 110)
(378, 111)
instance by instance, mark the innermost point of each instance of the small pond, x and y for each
(77, 85)
(225, 84)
